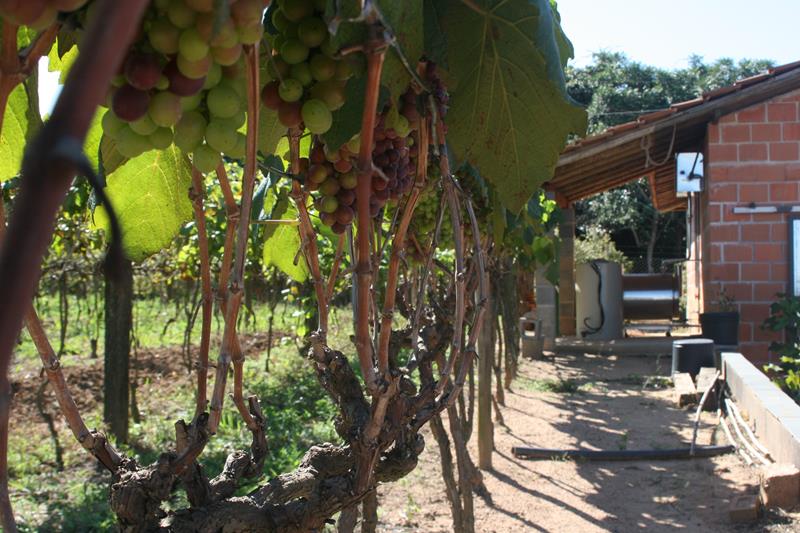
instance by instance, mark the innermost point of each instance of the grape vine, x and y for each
(182, 80)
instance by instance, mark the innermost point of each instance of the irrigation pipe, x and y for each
(752, 451)
(733, 442)
(740, 419)
(700, 409)
(524, 452)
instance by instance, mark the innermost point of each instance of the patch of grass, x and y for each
(646, 382)
(558, 386)
(298, 411)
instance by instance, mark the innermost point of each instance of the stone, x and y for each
(744, 508)
(705, 379)
(780, 485)
(685, 391)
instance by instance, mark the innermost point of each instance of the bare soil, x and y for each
(620, 403)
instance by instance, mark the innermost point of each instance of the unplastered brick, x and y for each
(779, 485)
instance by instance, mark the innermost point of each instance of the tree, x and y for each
(335, 137)
(616, 90)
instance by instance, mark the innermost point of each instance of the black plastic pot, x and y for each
(721, 326)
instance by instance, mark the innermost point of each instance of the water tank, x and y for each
(598, 300)
(651, 296)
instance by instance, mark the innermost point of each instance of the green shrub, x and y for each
(597, 244)
(785, 317)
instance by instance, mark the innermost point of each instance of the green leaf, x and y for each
(109, 159)
(93, 140)
(282, 243)
(14, 134)
(509, 112)
(25, 37)
(405, 21)
(149, 195)
(347, 119)
(270, 130)
(61, 61)
(434, 37)
(565, 48)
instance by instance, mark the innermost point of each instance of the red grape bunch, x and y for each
(37, 14)
(334, 176)
(307, 78)
(182, 82)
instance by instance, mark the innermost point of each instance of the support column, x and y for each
(546, 310)
(566, 274)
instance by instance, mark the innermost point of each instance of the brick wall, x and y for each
(753, 156)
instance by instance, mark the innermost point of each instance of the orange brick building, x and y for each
(738, 224)
(752, 185)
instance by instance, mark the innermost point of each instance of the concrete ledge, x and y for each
(632, 346)
(774, 416)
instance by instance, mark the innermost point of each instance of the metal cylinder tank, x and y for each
(598, 300)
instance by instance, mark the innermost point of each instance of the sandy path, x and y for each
(612, 410)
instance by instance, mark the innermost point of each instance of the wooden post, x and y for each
(119, 321)
(566, 271)
(485, 369)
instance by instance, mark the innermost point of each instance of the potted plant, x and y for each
(722, 324)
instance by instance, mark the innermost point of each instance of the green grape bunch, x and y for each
(307, 76)
(182, 82)
(332, 174)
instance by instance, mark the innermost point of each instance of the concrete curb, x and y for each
(773, 415)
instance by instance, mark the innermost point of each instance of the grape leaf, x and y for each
(94, 136)
(434, 37)
(61, 62)
(109, 159)
(405, 22)
(14, 133)
(270, 130)
(565, 48)
(509, 111)
(347, 119)
(282, 243)
(149, 195)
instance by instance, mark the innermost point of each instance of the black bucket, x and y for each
(721, 327)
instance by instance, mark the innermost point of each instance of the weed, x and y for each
(558, 386)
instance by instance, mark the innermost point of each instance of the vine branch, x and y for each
(196, 194)
(374, 50)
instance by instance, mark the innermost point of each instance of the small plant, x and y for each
(785, 317)
(725, 303)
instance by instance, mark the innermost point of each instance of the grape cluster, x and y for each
(307, 80)
(423, 223)
(37, 14)
(392, 156)
(334, 176)
(438, 90)
(183, 82)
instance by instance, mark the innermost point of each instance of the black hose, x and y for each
(524, 452)
(590, 330)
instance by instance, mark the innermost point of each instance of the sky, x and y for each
(662, 33)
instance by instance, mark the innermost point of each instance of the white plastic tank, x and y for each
(598, 300)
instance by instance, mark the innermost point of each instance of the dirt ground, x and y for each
(616, 406)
